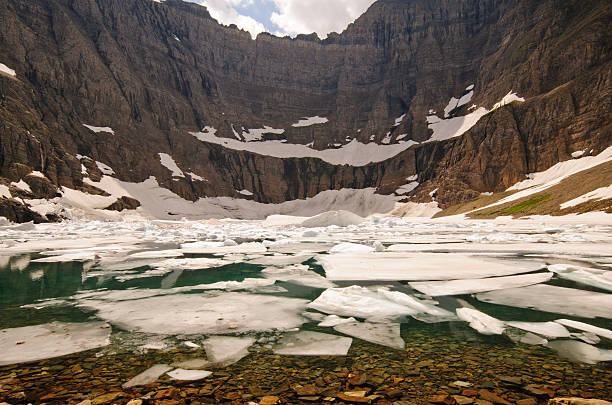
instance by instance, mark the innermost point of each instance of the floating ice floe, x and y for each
(347, 247)
(283, 260)
(226, 350)
(155, 254)
(360, 302)
(580, 352)
(584, 275)
(458, 287)
(337, 218)
(554, 299)
(308, 343)
(605, 333)
(385, 334)
(548, 329)
(246, 284)
(221, 248)
(148, 376)
(31, 343)
(190, 264)
(419, 266)
(188, 375)
(210, 312)
(298, 274)
(483, 323)
(334, 320)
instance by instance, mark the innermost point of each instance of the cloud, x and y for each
(225, 12)
(287, 17)
(320, 16)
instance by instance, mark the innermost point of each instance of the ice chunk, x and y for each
(30, 343)
(220, 248)
(605, 333)
(190, 263)
(283, 260)
(210, 312)
(191, 345)
(334, 320)
(555, 299)
(580, 352)
(308, 343)
(347, 247)
(226, 350)
(154, 254)
(418, 266)
(148, 376)
(483, 323)
(188, 375)
(548, 329)
(457, 287)
(385, 334)
(246, 284)
(422, 306)
(593, 277)
(360, 302)
(338, 218)
(298, 274)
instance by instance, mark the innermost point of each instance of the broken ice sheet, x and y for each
(584, 275)
(561, 300)
(605, 333)
(188, 375)
(360, 302)
(297, 274)
(210, 312)
(548, 329)
(282, 260)
(419, 266)
(220, 248)
(385, 334)
(580, 352)
(226, 350)
(30, 343)
(308, 343)
(481, 322)
(458, 287)
(334, 320)
(148, 376)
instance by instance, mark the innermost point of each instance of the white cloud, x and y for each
(292, 17)
(225, 12)
(320, 16)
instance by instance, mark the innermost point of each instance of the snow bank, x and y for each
(337, 218)
(6, 70)
(169, 163)
(456, 126)
(601, 193)
(99, 129)
(353, 153)
(308, 121)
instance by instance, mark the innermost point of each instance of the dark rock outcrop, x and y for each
(155, 71)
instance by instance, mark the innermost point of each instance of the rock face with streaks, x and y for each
(154, 72)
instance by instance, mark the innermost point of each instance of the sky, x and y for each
(287, 17)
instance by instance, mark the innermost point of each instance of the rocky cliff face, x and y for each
(154, 72)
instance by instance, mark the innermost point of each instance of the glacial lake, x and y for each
(388, 310)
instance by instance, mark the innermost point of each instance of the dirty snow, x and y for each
(99, 129)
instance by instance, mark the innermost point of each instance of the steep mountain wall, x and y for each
(154, 72)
